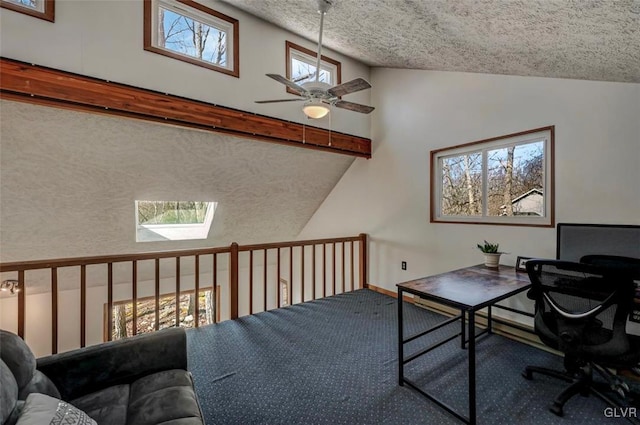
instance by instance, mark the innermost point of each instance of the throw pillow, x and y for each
(41, 409)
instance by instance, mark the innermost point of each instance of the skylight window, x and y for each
(173, 220)
(190, 32)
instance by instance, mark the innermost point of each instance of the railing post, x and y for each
(21, 303)
(364, 282)
(233, 280)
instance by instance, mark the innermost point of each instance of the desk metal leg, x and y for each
(463, 330)
(400, 341)
(471, 353)
(489, 322)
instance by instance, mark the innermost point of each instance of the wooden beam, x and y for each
(45, 86)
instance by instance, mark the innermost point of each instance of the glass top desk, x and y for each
(469, 289)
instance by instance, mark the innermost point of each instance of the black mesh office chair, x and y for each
(582, 310)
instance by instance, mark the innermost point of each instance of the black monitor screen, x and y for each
(577, 240)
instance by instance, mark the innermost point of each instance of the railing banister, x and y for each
(233, 280)
(232, 250)
(54, 310)
(134, 297)
(83, 306)
(157, 293)
(278, 285)
(302, 273)
(363, 261)
(21, 303)
(109, 301)
(313, 272)
(353, 286)
(196, 287)
(264, 282)
(250, 282)
(333, 265)
(177, 292)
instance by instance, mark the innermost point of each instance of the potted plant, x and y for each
(491, 254)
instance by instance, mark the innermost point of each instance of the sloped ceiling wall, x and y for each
(69, 181)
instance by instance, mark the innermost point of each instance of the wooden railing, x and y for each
(251, 277)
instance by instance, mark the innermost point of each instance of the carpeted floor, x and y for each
(334, 361)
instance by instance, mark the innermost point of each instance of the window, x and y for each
(503, 180)
(43, 9)
(173, 220)
(301, 66)
(190, 32)
(122, 313)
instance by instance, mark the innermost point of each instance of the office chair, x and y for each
(581, 310)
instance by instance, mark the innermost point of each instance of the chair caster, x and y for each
(556, 409)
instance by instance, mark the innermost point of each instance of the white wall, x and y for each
(597, 165)
(103, 39)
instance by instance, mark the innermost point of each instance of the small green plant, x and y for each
(489, 248)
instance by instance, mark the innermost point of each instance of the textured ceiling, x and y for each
(581, 39)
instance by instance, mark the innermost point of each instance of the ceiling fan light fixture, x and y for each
(315, 109)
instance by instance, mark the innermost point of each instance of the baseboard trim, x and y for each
(380, 290)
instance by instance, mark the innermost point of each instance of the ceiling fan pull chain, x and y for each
(330, 129)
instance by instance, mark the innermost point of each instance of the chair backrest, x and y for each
(582, 309)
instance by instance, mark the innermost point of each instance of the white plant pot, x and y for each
(492, 260)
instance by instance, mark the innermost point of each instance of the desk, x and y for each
(469, 289)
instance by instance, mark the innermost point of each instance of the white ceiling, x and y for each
(580, 39)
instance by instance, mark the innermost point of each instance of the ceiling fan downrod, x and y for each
(323, 7)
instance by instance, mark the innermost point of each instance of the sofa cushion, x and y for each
(8, 392)
(164, 398)
(18, 357)
(39, 384)
(107, 406)
(42, 409)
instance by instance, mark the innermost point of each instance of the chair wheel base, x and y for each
(557, 410)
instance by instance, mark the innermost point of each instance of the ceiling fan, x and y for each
(317, 95)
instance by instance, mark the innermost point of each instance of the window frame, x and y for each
(292, 48)
(436, 156)
(47, 13)
(150, 42)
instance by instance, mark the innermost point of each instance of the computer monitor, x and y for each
(577, 240)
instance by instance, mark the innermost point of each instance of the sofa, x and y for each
(142, 380)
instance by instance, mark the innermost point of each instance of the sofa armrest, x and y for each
(93, 368)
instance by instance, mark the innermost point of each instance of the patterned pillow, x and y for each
(41, 409)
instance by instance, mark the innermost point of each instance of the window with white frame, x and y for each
(502, 180)
(190, 32)
(302, 62)
(43, 9)
(173, 220)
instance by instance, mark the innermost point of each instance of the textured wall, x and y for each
(69, 181)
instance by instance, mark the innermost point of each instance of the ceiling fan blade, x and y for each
(356, 107)
(293, 86)
(278, 100)
(349, 87)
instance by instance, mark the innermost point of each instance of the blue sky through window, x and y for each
(188, 36)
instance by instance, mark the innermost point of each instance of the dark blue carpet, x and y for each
(334, 361)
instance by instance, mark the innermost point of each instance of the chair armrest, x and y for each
(90, 369)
